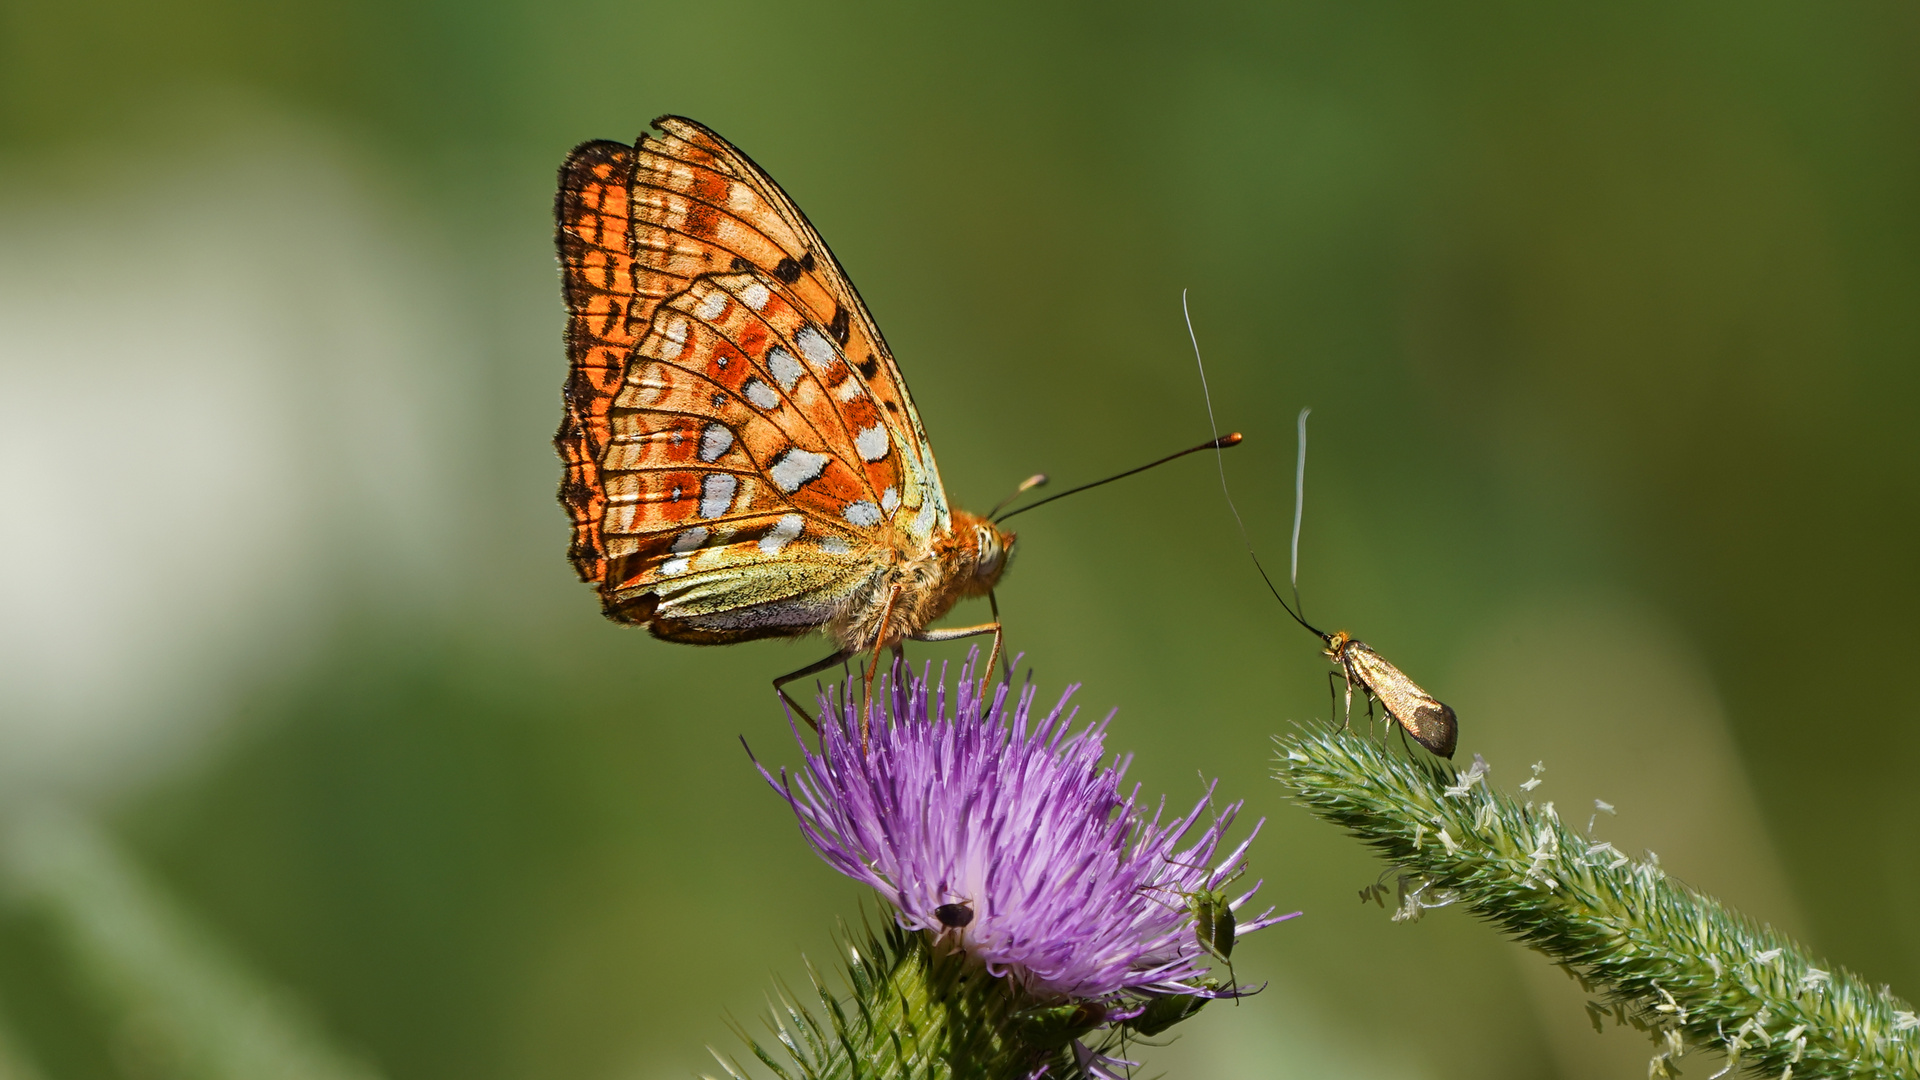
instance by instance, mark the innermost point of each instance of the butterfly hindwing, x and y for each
(596, 262)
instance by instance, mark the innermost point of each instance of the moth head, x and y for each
(1337, 644)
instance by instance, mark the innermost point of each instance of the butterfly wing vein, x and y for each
(741, 456)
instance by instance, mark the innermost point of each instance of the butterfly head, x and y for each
(983, 550)
(993, 550)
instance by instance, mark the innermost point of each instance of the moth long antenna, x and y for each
(1214, 443)
(1220, 460)
(1299, 504)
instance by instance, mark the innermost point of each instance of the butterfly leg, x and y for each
(1006, 662)
(958, 632)
(810, 669)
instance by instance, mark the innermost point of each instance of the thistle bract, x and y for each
(1076, 890)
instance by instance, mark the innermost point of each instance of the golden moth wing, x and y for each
(1431, 722)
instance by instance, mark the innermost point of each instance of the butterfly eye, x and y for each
(988, 543)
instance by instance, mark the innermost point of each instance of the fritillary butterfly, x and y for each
(742, 458)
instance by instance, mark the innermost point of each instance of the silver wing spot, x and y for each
(815, 347)
(784, 532)
(872, 442)
(796, 467)
(716, 494)
(715, 440)
(786, 370)
(761, 394)
(676, 334)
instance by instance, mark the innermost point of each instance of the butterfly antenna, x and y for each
(1031, 482)
(1215, 443)
(1220, 460)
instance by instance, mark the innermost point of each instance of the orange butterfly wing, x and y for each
(596, 262)
(753, 457)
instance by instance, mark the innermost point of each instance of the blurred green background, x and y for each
(316, 761)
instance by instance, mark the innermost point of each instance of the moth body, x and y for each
(1429, 721)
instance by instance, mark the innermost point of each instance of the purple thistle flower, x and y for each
(1005, 834)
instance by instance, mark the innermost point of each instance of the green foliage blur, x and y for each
(1607, 315)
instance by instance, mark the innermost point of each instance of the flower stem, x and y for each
(1682, 965)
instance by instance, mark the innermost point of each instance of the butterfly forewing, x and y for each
(738, 439)
(710, 189)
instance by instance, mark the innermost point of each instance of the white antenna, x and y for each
(1299, 501)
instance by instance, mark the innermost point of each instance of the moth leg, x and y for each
(810, 669)
(958, 632)
(879, 635)
(1333, 698)
(1388, 721)
(1404, 745)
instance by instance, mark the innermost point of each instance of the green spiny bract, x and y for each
(1681, 965)
(917, 1008)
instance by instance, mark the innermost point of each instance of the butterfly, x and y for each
(742, 459)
